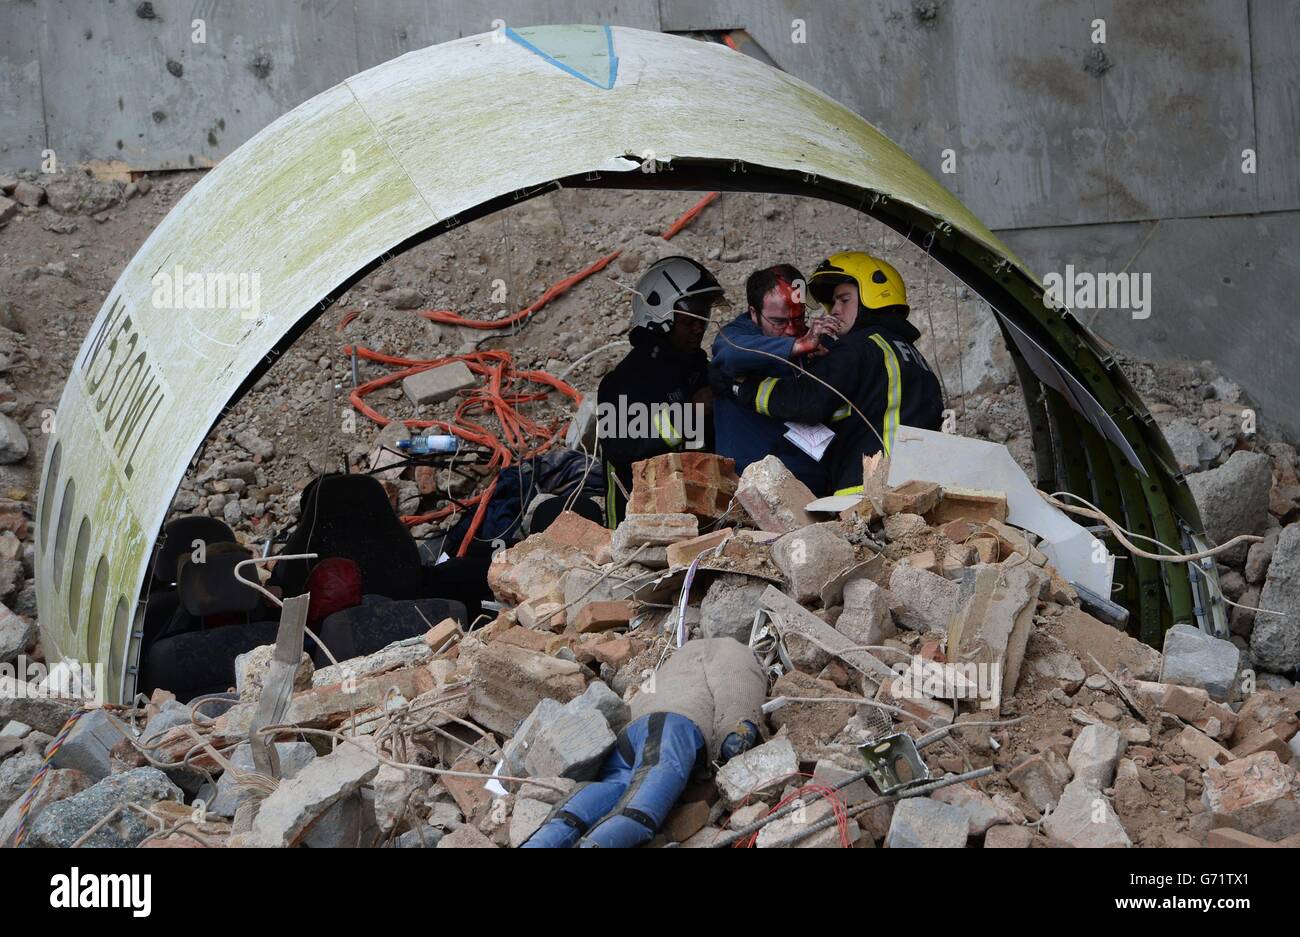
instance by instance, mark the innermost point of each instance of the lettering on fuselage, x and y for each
(122, 384)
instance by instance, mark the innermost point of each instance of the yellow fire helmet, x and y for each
(879, 285)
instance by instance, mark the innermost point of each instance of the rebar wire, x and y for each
(934, 335)
(1095, 513)
(275, 598)
(918, 791)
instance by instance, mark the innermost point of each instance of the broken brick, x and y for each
(535, 566)
(1266, 740)
(544, 613)
(602, 616)
(1228, 838)
(441, 633)
(968, 504)
(615, 652)
(507, 682)
(1256, 795)
(1203, 748)
(698, 483)
(644, 538)
(912, 497)
(683, 552)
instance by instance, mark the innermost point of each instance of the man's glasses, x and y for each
(784, 322)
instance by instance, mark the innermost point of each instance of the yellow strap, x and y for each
(664, 426)
(843, 413)
(895, 392)
(611, 497)
(855, 490)
(764, 394)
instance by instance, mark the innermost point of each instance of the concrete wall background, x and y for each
(1122, 155)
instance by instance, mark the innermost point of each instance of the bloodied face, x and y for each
(782, 314)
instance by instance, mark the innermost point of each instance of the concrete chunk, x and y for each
(609, 704)
(927, 602)
(993, 625)
(1087, 637)
(866, 619)
(1095, 753)
(809, 558)
(1233, 499)
(89, 744)
(58, 784)
(23, 702)
(791, 618)
(571, 745)
(727, 610)
(521, 742)
(293, 757)
(526, 819)
(17, 634)
(982, 811)
(1085, 818)
(16, 773)
(507, 682)
(773, 497)
(1275, 639)
(925, 823)
(761, 771)
(1194, 658)
(438, 384)
(792, 824)
(65, 822)
(287, 813)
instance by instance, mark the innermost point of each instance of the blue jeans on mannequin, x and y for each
(639, 783)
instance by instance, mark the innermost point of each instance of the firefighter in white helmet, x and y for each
(658, 396)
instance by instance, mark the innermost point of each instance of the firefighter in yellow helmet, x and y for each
(874, 363)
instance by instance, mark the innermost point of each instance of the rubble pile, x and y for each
(913, 613)
(1088, 736)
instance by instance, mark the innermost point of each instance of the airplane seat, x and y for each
(350, 517)
(379, 621)
(216, 619)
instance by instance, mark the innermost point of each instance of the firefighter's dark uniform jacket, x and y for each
(877, 367)
(652, 373)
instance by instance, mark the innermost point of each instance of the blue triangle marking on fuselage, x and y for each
(609, 45)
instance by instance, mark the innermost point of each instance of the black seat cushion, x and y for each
(377, 623)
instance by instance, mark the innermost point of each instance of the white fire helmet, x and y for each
(668, 282)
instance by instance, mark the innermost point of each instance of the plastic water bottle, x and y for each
(428, 445)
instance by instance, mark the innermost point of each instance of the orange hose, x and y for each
(497, 397)
(556, 289)
(688, 216)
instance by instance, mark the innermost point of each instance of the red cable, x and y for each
(688, 216)
(497, 397)
(556, 289)
(837, 807)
